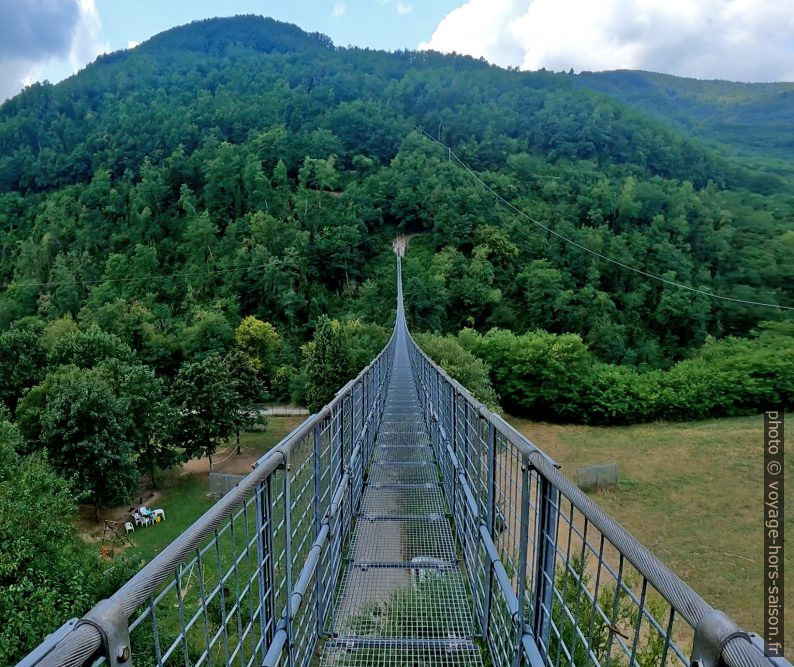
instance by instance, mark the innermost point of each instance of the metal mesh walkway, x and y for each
(402, 598)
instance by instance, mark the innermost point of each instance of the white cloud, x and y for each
(131, 44)
(86, 42)
(339, 8)
(401, 7)
(746, 40)
(37, 38)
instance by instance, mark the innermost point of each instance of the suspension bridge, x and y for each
(404, 525)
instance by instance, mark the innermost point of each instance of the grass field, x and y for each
(692, 493)
(184, 496)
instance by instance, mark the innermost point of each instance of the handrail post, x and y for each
(318, 519)
(435, 394)
(266, 576)
(546, 545)
(453, 437)
(523, 550)
(489, 525)
(288, 566)
(468, 434)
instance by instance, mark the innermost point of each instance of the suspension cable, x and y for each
(606, 258)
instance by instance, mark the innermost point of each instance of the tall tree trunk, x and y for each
(151, 475)
(209, 456)
(238, 441)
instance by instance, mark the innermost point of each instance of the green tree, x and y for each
(80, 418)
(249, 389)
(89, 347)
(327, 363)
(22, 359)
(49, 573)
(205, 396)
(259, 342)
(151, 416)
(461, 364)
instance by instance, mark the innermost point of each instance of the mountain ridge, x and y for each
(751, 118)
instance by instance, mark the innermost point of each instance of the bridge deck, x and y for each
(402, 599)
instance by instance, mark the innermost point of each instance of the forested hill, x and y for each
(234, 76)
(753, 118)
(241, 166)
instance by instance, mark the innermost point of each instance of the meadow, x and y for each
(691, 492)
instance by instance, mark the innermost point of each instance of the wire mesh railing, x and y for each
(249, 583)
(555, 580)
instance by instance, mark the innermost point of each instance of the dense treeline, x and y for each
(48, 573)
(752, 118)
(203, 223)
(556, 377)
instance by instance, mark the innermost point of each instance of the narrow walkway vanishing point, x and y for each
(402, 598)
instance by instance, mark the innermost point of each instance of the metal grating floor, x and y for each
(402, 600)
(403, 454)
(407, 501)
(400, 541)
(388, 654)
(398, 603)
(402, 473)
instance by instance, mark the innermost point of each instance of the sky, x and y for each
(741, 40)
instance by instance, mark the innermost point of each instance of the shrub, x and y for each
(461, 364)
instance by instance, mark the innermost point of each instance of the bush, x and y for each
(555, 377)
(538, 374)
(461, 364)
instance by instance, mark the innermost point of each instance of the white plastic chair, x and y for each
(139, 520)
(160, 513)
(129, 527)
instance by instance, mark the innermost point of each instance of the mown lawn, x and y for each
(690, 492)
(184, 497)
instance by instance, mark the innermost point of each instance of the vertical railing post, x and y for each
(318, 519)
(521, 559)
(453, 436)
(364, 403)
(467, 438)
(288, 564)
(490, 522)
(546, 541)
(437, 407)
(266, 573)
(339, 447)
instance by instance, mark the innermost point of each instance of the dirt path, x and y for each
(225, 460)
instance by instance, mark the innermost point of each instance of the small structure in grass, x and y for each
(595, 478)
(112, 537)
(221, 483)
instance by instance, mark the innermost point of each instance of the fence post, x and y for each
(288, 565)
(490, 521)
(453, 437)
(265, 574)
(521, 559)
(318, 519)
(436, 397)
(546, 541)
(468, 435)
